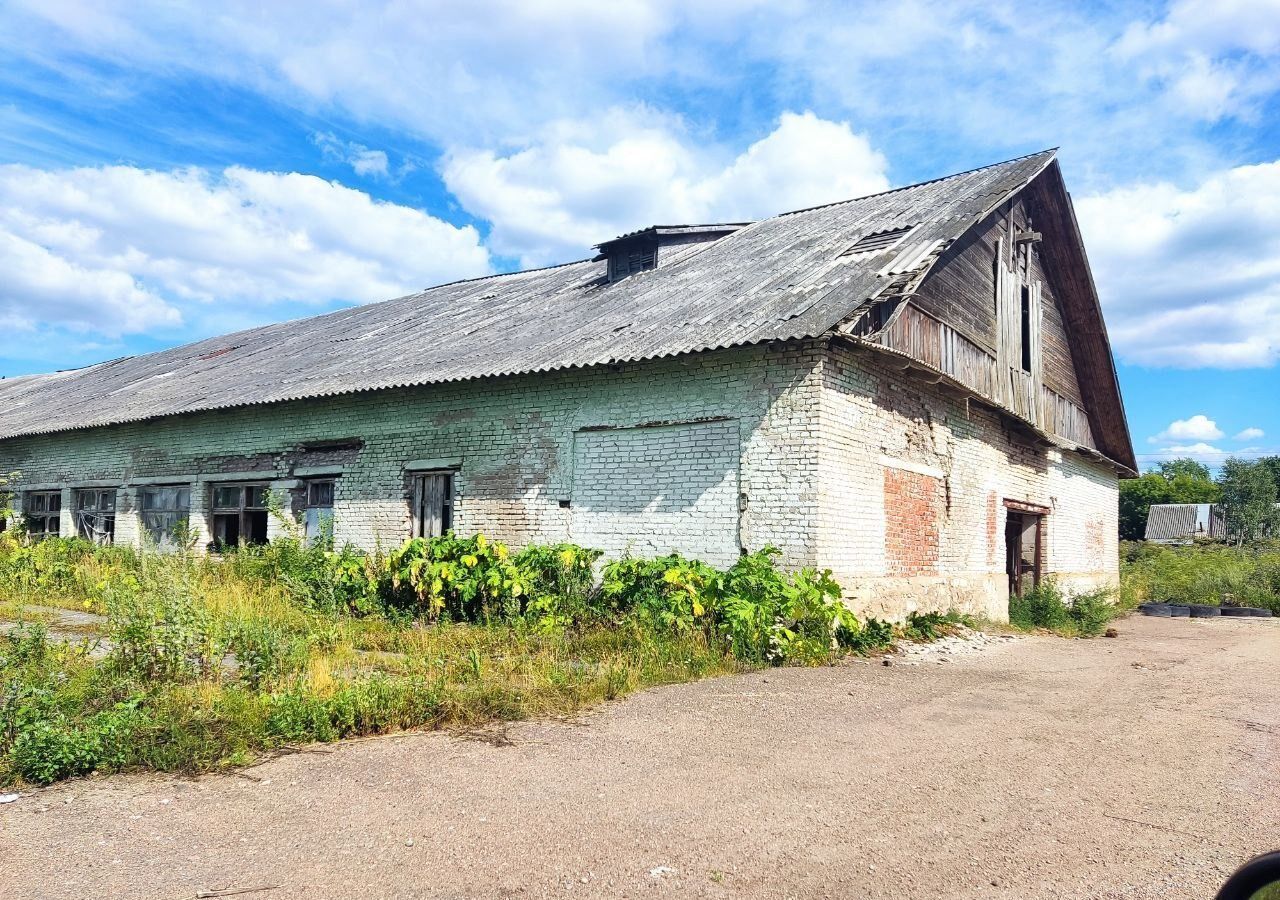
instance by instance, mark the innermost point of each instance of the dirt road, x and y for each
(1145, 766)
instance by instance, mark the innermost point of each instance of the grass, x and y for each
(1212, 574)
(211, 662)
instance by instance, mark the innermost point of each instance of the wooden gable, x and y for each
(1009, 310)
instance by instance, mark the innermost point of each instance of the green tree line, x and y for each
(1246, 490)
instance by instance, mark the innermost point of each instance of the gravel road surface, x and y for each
(1142, 766)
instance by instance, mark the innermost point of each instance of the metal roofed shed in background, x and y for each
(783, 278)
(1182, 522)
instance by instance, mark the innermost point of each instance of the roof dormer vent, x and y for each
(642, 250)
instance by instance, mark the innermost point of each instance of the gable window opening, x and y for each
(432, 504)
(318, 516)
(166, 512)
(43, 513)
(239, 515)
(1026, 328)
(96, 515)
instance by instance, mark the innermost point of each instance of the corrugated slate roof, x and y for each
(781, 278)
(1183, 521)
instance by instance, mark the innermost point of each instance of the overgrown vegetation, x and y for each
(1084, 614)
(208, 661)
(1202, 573)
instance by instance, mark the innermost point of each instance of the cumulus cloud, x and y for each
(363, 161)
(1196, 428)
(1200, 451)
(1250, 434)
(118, 249)
(1190, 277)
(585, 181)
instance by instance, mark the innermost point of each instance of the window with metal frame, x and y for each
(43, 513)
(239, 514)
(165, 511)
(96, 515)
(319, 509)
(432, 504)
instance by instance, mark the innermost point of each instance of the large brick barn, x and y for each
(914, 389)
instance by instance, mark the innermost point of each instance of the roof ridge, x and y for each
(572, 262)
(907, 187)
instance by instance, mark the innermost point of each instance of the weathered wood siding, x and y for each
(965, 319)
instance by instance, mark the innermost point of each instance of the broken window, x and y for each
(239, 514)
(319, 512)
(96, 515)
(165, 512)
(43, 510)
(432, 504)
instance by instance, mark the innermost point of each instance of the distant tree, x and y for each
(1172, 468)
(1174, 481)
(1272, 465)
(1248, 499)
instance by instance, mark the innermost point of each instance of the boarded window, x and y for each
(319, 510)
(43, 511)
(96, 515)
(432, 504)
(165, 513)
(239, 514)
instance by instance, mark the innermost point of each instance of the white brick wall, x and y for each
(650, 491)
(513, 440)
(797, 437)
(872, 417)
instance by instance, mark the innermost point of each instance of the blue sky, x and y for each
(168, 173)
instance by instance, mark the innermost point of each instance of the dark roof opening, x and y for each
(877, 241)
(639, 251)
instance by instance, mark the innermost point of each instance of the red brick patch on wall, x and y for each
(912, 507)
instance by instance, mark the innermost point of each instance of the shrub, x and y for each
(1041, 607)
(461, 579)
(157, 627)
(1091, 611)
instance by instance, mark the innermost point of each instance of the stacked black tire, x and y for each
(1199, 611)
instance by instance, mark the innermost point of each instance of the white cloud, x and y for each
(1200, 451)
(1196, 428)
(587, 181)
(363, 161)
(1216, 58)
(1191, 277)
(1250, 434)
(118, 250)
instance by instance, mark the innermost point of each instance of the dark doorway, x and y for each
(1022, 535)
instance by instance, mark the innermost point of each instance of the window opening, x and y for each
(319, 510)
(165, 513)
(96, 515)
(239, 514)
(1026, 328)
(43, 510)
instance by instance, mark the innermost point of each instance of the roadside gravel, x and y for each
(1144, 766)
